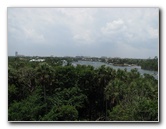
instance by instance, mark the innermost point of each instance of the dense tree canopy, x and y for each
(49, 91)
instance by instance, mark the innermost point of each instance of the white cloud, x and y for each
(153, 33)
(33, 35)
(80, 21)
(92, 27)
(113, 27)
(85, 36)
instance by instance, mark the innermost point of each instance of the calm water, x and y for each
(98, 64)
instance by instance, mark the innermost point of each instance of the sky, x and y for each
(95, 32)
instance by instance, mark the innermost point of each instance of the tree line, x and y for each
(48, 91)
(147, 64)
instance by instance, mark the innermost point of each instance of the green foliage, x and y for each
(121, 113)
(28, 109)
(147, 110)
(50, 91)
(150, 64)
(62, 113)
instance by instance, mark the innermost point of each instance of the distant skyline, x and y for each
(95, 32)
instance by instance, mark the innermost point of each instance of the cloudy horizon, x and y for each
(95, 32)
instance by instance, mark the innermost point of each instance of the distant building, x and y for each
(79, 57)
(103, 57)
(37, 60)
(117, 58)
(64, 62)
(17, 55)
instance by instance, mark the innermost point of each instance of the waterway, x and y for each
(96, 64)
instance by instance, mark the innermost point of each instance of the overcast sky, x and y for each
(111, 32)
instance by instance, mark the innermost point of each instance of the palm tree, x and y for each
(44, 74)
